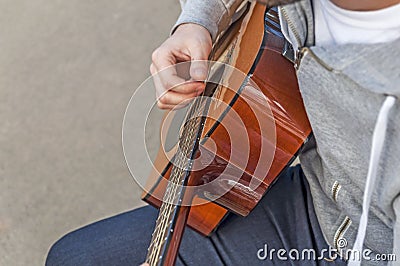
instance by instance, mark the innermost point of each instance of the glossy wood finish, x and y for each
(275, 89)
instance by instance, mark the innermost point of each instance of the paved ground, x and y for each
(67, 70)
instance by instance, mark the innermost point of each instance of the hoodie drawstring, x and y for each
(378, 139)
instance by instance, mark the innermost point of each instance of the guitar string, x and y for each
(165, 221)
(176, 172)
(196, 108)
(166, 212)
(151, 253)
(169, 198)
(154, 253)
(171, 206)
(170, 202)
(156, 244)
(162, 217)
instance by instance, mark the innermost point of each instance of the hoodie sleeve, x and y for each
(214, 15)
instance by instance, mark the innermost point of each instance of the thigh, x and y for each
(284, 218)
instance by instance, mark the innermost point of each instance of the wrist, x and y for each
(192, 27)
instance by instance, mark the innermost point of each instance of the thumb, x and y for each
(199, 65)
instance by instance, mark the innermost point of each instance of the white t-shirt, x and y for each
(335, 25)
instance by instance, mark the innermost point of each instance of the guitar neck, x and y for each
(166, 239)
(173, 214)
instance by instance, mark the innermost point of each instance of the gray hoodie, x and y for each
(356, 127)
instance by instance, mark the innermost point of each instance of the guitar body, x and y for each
(241, 172)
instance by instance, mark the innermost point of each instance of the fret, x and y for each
(182, 163)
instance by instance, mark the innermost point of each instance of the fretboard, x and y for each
(173, 197)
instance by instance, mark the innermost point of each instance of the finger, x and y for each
(174, 98)
(169, 98)
(189, 87)
(164, 62)
(199, 70)
(186, 88)
(170, 106)
(199, 66)
(159, 88)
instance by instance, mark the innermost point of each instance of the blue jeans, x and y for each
(284, 219)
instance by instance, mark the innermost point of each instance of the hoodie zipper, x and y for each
(339, 241)
(291, 25)
(302, 50)
(306, 50)
(335, 190)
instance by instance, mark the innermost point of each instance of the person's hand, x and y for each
(189, 42)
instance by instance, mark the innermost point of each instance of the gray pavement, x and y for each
(67, 71)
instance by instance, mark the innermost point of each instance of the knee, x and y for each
(67, 251)
(118, 240)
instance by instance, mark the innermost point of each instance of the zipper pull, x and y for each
(299, 56)
(301, 52)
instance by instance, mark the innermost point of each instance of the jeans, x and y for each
(283, 219)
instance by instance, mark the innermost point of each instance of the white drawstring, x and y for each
(378, 139)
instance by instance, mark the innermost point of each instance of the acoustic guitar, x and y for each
(236, 141)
